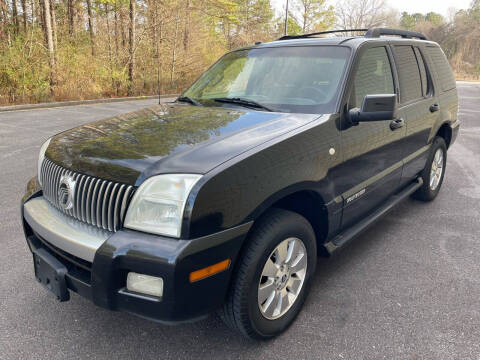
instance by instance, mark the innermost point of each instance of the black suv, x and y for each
(223, 199)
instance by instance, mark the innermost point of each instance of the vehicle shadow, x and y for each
(210, 338)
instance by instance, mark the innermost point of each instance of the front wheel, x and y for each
(434, 171)
(273, 277)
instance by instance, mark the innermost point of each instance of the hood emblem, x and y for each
(66, 192)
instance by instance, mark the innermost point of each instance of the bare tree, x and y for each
(90, 26)
(4, 12)
(315, 15)
(24, 14)
(15, 15)
(54, 25)
(131, 48)
(361, 13)
(49, 37)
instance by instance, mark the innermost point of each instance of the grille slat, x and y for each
(110, 211)
(93, 206)
(84, 198)
(118, 201)
(101, 194)
(125, 199)
(101, 203)
(78, 197)
(105, 205)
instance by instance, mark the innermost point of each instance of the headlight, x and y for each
(158, 204)
(41, 156)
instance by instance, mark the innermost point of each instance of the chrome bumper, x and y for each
(70, 235)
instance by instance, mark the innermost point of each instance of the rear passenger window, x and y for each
(442, 68)
(408, 73)
(423, 73)
(374, 75)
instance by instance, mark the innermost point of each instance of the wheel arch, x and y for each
(445, 132)
(306, 202)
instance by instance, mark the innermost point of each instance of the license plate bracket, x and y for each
(51, 274)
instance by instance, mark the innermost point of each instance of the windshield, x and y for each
(287, 79)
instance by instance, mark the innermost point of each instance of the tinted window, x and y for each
(374, 75)
(442, 68)
(408, 73)
(290, 79)
(423, 73)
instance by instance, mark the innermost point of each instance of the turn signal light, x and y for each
(209, 270)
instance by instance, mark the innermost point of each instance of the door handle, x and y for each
(434, 107)
(397, 124)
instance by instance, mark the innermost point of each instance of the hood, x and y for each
(166, 138)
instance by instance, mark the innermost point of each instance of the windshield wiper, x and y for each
(189, 100)
(245, 102)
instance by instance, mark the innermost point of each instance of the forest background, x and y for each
(84, 49)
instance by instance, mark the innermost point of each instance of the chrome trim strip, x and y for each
(70, 235)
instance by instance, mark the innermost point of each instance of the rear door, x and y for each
(417, 100)
(372, 164)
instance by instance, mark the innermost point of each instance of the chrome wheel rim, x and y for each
(282, 278)
(436, 170)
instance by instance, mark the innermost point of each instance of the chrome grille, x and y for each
(101, 203)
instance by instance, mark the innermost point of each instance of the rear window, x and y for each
(423, 73)
(409, 74)
(442, 68)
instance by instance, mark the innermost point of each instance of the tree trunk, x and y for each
(122, 28)
(15, 15)
(54, 25)
(24, 14)
(4, 12)
(49, 36)
(109, 45)
(131, 48)
(116, 32)
(70, 16)
(90, 26)
(174, 53)
(158, 39)
(186, 36)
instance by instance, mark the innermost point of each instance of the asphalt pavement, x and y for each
(408, 288)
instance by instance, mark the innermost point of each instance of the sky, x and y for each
(410, 6)
(425, 6)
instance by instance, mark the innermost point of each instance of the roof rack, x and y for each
(371, 33)
(289, 37)
(377, 32)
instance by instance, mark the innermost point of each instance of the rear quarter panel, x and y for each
(448, 100)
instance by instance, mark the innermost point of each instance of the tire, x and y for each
(242, 310)
(432, 184)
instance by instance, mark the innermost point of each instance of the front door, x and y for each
(372, 165)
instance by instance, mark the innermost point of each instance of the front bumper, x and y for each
(98, 263)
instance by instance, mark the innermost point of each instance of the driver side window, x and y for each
(374, 76)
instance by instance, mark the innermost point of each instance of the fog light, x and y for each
(145, 284)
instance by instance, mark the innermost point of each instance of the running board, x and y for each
(348, 234)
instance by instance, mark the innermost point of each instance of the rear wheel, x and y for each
(434, 171)
(273, 276)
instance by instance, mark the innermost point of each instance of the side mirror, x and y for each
(378, 107)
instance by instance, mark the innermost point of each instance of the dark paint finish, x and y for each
(167, 138)
(251, 161)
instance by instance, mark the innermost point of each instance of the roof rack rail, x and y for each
(377, 32)
(289, 37)
(371, 33)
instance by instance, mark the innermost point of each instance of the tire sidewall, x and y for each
(439, 143)
(264, 327)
